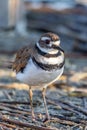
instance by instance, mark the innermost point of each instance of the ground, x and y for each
(66, 99)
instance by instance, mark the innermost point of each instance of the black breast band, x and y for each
(48, 67)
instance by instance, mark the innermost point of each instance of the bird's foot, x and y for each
(33, 118)
(46, 119)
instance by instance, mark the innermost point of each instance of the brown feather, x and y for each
(22, 58)
(54, 37)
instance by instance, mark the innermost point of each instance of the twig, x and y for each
(62, 121)
(76, 108)
(62, 106)
(15, 102)
(65, 107)
(22, 124)
(14, 110)
(7, 95)
(15, 115)
(7, 125)
(80, 109)
(2, 127)
(78, 121)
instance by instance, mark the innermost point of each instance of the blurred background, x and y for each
(22, 22)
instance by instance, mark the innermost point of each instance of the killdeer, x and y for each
(40, 64)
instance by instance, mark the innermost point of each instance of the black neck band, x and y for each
(47, 54)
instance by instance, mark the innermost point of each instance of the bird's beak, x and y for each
(57, 47)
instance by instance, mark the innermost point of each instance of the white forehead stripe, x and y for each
(45, 38)
(56, 42)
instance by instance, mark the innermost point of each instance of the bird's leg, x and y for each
(45, 104)
(31, 103)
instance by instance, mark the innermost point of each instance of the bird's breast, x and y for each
(35, 76)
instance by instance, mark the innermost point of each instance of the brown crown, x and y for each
(52, 36)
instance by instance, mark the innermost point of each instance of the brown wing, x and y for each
(22, 58)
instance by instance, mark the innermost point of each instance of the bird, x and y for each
(40, 64)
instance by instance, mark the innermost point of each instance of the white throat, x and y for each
(50, 51)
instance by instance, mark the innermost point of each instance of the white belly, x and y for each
(35, 76)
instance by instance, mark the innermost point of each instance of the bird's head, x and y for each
(49, 42)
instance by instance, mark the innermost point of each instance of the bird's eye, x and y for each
(47, 41)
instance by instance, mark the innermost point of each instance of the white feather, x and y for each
(51, 60)
(50, 51)
(45, 38)
(57, 43)
(35, 76)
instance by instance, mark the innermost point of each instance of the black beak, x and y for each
(58, 48)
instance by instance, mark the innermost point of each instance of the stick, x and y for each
(22, 124)
(62, 121)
